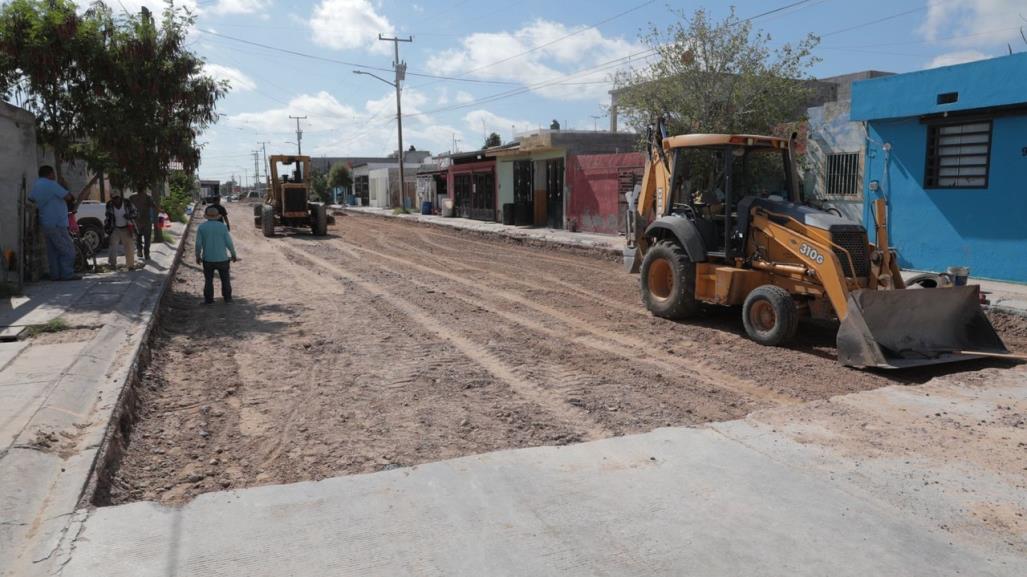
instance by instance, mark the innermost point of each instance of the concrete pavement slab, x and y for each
(66, 394)
(10, 351)
(26, 383)
(671, 502)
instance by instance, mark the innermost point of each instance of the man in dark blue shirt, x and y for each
(52, 201)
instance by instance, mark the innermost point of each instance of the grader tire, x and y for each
(267, 218)
(319, 219)
(668, 282)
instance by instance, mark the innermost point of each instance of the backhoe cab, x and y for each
(719, 219)
(287, 202)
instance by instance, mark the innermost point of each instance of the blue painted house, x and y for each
(949, 149)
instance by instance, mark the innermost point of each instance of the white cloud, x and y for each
(976, 22)
(477, 119)
(157, 6)
(464, 97)
(347, 24)
(237, 78)
(959, 57)
(494, 56)
(240, 6)
(334, 128)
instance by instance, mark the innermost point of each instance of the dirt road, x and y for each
(390, 344)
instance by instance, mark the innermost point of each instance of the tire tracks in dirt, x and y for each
(527, 389)
(605, 341)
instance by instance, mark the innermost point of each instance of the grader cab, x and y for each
(288, 203)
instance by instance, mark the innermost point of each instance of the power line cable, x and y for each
(348, 63)
(598, 68)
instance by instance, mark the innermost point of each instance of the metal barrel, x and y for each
(913, 327)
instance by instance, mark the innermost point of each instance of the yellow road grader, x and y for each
(719, 219)
(288, 202)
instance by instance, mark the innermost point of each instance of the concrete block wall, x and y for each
(595, 203)
(18, 167)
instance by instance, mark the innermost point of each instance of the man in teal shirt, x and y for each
(213, 246)
(52, 201)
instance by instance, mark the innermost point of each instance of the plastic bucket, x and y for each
(426, 207)
(959, 274)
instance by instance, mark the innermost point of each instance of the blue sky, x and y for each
(484, 43)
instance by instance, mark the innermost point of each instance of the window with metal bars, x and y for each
(844, 175)
(958, 155)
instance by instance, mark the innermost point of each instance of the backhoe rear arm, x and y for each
(816, 255)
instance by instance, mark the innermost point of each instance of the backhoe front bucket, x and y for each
(903, 328)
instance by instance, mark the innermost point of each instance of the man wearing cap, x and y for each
(120, 226)
(213, 247)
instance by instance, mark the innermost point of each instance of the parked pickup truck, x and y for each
(90, 216)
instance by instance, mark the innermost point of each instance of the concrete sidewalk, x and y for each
(912, 481)
(58, 392)
(605, 243)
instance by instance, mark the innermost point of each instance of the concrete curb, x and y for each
(578, 248)
(108, 454)
(1008, 310)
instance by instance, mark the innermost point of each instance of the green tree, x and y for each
(49, 56)
(319, 186)
(157, 98)
(493, 140)
(180, 194)
(339, 176)
(717, 77)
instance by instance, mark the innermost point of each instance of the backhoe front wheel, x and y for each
(668, 281)
(770, 316)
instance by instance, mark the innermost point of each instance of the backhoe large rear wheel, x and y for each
(770, 316)
(668, 281)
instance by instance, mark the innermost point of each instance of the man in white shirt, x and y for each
(120, 227)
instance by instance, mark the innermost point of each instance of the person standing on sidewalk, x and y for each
(120, 225)
(52, 201)
(146, 210)
(213, 247)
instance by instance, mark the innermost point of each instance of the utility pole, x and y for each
(299, 134)
(595, 122)
(267, 178)
(401, 73)
(256, 169)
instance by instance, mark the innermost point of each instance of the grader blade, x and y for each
(895, 329)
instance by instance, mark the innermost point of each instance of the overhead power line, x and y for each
(876, 21)
(591, 70)
(346, 62)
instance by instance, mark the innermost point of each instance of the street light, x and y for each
(400, 74)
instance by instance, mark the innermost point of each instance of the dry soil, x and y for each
(388, 344)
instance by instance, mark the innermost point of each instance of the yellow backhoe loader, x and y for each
(719, 219)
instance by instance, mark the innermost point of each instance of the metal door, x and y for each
(524, 184)
(554, 193)
(462, 185)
